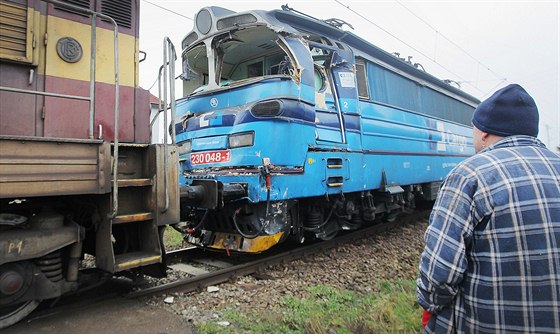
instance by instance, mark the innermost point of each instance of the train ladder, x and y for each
(130, 238)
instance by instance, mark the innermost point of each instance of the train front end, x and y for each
(244, 128)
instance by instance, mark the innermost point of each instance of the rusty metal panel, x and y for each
(17, 111)
(22, 244)
(66, 118)
(171, 215)
(32, 167)
(141, 111)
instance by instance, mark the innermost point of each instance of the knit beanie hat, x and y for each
(509, 111)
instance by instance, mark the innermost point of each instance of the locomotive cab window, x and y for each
(195, 68)
(321, 57)
(250, 53)
(363, 90)
(319, 78)
(255, 69)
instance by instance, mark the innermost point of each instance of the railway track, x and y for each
(226, 268)
(282, 255)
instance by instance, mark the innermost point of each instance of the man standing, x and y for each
(491, 263)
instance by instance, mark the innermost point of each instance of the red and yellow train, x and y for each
(77, 171)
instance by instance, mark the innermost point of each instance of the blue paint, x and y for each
(209, 143)
(414, 133)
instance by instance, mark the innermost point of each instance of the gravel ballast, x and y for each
(357, 266)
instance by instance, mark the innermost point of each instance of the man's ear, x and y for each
(484, 137)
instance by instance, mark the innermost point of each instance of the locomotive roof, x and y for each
(356, 42)
(290, 22)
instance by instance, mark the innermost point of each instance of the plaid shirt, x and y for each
(491, 263)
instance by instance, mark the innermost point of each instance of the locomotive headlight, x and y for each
(267, 108)
(241, 139)
(185, 147)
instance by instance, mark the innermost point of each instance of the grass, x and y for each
(172, 239)
(393, 309)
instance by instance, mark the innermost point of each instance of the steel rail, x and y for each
(84, 298)
(223, 275)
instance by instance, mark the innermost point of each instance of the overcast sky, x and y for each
(483, 45)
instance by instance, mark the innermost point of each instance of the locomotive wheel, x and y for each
(12, 314)
(330, 230)
(328, 235)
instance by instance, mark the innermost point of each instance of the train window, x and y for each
(255, 69)
(320, 82)
(277, 64)
(392, 89)
(363, 90)
(195, 69)
(16, 31)
(250, 53)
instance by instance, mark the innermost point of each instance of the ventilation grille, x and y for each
(85, 4)
(13, 30)
(119, 10)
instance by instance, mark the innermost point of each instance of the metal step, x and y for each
(131, 218)
(335, 181)
(134, 182)
(135, 259)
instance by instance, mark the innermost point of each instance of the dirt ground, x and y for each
(115, 316)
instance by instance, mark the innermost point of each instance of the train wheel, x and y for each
(328, 236)
(329, 230)
(12, 314)
(15, 280)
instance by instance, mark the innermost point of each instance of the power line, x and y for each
(498, 76)
(412, 47)
(169, 10)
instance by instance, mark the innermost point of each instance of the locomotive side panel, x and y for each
(268, 153)
(58, 44)
(67, 187)
(49, 168)
(19, 27)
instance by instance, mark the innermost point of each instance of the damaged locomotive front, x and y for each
(294, 128)
(246, 92)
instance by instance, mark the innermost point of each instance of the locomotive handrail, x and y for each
(34, 92)
(91, 98)
(169, 57)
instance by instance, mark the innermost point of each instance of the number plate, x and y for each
(214, 157)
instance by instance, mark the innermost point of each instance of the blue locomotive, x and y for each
(294, 128)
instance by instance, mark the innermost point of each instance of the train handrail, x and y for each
(169, 57)
(35, 92)
(94, 16)
(91, 99)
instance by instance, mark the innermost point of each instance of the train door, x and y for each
(328, 125)
(335, 93)
(344, 83)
